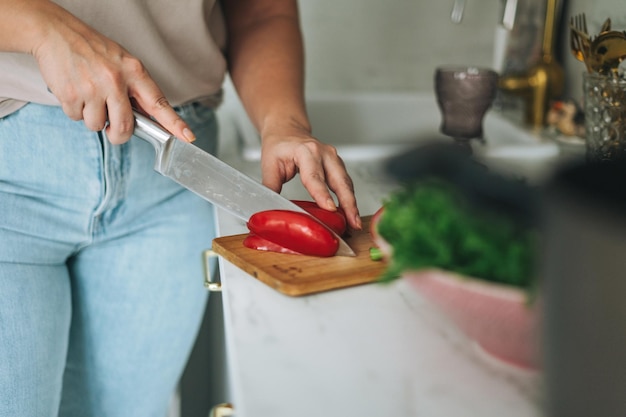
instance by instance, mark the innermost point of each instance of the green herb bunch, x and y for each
(430, 223)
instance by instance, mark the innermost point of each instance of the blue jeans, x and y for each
(101, 292)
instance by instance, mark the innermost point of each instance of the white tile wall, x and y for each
(373, 45)
(391, 44)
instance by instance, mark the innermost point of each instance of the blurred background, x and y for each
(395, 45)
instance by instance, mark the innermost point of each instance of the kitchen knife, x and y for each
(213, 179)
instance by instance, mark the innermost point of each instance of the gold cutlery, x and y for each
(580, 43)
(603, 53)
(607, 51)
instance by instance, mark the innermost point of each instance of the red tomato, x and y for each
(336, 220)
(295, 231)
(253, 241)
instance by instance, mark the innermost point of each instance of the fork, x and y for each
(576, 45)
(580, 23)
(580, 42)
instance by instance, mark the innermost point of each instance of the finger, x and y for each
(73, 109)
(95, 115)
(341, 184)
(343, 189)
(313, 179)
(272, 173)
(121, 121)
(153, 101)
(71, 103)
(165, 114)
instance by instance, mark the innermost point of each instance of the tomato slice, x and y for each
(336, 220)
(253, 241)
(295, 231)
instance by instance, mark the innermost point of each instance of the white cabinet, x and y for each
(373, 350)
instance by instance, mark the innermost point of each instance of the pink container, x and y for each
(499, 318)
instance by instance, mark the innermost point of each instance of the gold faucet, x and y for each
(543, 81)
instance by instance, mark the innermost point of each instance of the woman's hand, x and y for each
(294, 150)
(94, 78)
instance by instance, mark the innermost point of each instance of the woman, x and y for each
(100, 298)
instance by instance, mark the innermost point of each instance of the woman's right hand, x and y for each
(94, 78)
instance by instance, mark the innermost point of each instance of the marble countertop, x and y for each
(372, 350)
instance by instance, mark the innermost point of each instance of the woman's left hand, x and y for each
(294, 151)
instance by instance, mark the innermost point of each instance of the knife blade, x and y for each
(213, 179)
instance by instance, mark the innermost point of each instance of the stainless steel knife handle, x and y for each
(153, 133)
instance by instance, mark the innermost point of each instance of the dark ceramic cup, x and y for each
(464, 94)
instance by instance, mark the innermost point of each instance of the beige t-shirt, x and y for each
(181, 43)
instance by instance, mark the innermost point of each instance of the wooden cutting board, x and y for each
(297, 275)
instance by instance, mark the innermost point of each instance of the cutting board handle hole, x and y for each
(211, 285)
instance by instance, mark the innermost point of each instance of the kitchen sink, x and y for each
(374, 126)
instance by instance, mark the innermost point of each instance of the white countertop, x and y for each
(372, 350)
